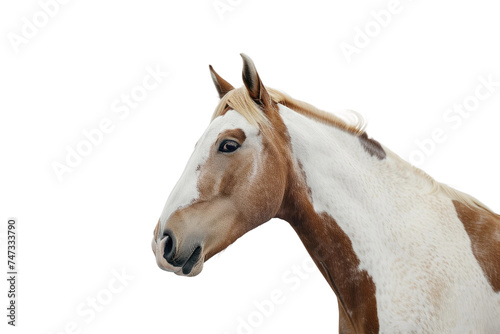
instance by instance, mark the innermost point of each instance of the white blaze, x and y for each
(186, 189)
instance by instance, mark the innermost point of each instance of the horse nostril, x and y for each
(169, 251)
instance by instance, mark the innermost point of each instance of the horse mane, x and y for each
(356, 126)
(238, 99)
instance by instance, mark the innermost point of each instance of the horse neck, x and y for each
(339, 174)
(339, 197)
(392, 243)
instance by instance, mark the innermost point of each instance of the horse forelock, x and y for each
(239, 100)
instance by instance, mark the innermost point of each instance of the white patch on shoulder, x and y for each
(186, 189)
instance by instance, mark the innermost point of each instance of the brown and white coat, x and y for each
(402, 252)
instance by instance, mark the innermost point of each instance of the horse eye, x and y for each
(228, 146)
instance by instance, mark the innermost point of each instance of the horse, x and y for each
(402, 252)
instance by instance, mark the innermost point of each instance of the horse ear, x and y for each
(221, 85)
(253, 83)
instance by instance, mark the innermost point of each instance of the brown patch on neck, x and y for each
(483, 228)
(372, 146)
(332, 251)
(345, 322)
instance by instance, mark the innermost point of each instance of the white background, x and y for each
(100, 218)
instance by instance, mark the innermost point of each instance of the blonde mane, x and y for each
(238, 99)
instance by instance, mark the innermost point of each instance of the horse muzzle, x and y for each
(182, 259)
